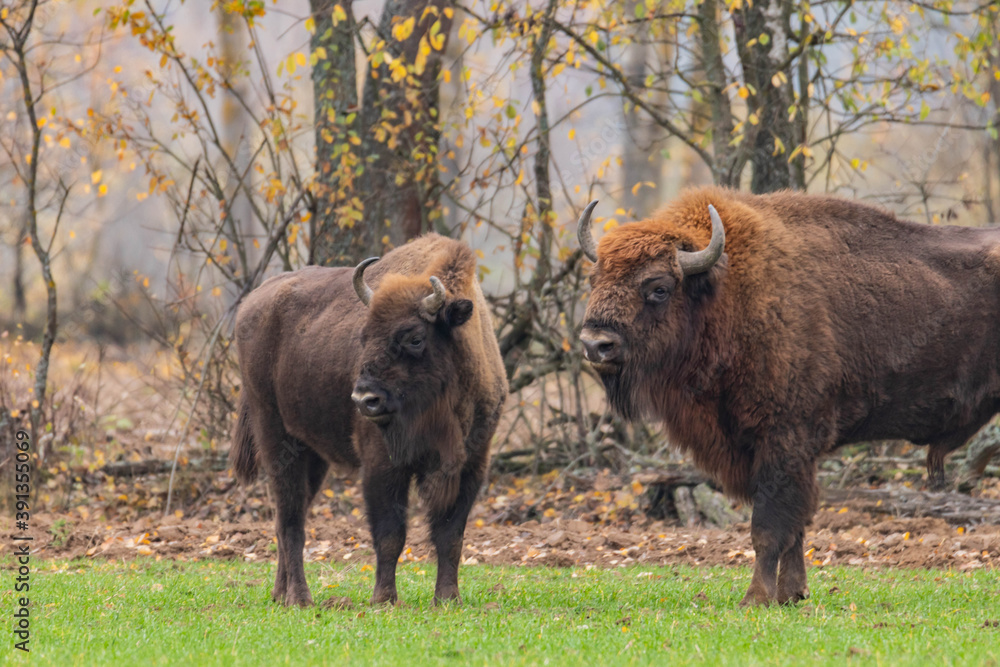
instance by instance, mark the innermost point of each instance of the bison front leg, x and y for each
(792, 585)
(386, 495)
(448, 533)
(783, 502)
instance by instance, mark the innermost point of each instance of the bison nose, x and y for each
(371, 402)
(601, 347)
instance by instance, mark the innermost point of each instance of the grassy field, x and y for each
(221, 613)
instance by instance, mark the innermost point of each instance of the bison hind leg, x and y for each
(295, 473)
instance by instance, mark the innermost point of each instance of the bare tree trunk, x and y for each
(18, 50)
(543, 186)
(725, 168)
(335, 238)
(236, 128)
(20, 301)
(773, 136)
(400, 129)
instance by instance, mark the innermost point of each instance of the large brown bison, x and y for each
(394, 369)
(765, 331)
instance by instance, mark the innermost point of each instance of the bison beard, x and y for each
(428, 441)
(827, 322)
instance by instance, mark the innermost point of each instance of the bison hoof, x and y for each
(794, 598)
(384, 597)
(755, 599)
(298, 600)
(449, 599)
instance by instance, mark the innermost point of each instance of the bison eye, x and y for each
(658, 294)
(416, 342)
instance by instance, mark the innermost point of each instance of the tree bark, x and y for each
(400, 128)
(772, 138)
(335, 237)
(725, 170)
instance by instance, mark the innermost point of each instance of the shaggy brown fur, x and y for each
(305, 341)
(826, 322)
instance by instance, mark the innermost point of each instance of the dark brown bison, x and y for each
(765, 331)
(399, 373)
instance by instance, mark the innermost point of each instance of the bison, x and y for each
(765, 331)
(393, 368)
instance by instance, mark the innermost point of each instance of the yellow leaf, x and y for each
(403, 29)
(520, 177)
(65, 142)
(223, 244)
(95, 177)
(42, 121)
(743, 92)
(328, 493)
(300, 59)
(446, 75)
(216, 291)
(572, 134)
(339, 14)
(311, 25)
(103, 190)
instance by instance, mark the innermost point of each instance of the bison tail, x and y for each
(243, 452)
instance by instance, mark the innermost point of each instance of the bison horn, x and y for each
(584, 235)
(432, 304)
(360, 286)
(702, 260)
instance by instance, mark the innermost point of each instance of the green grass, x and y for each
(206, 613)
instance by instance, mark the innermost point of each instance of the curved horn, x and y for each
(360, 286)
(702, 260)
(584, 235)
(432, 304)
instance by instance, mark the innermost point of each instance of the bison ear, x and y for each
(458, 312)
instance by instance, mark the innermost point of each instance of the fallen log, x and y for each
(687, 511)
(956, 508)
(715, 507)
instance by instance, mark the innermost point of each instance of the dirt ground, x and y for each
(602, 527)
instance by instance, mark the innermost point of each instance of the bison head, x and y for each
(645, 292)
(407, 357)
